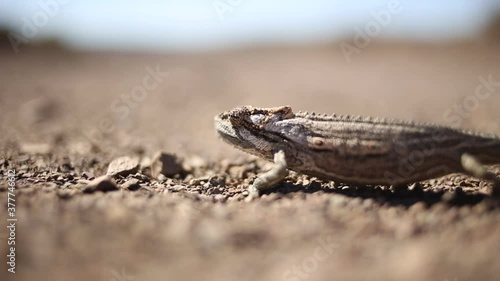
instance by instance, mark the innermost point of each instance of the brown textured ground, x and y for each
(194, 225)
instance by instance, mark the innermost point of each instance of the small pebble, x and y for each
(131, 184)
(166, 164)
(102, 183)
(123, 166)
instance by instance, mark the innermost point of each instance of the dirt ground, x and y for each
(66, 116)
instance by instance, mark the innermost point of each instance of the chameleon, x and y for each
(354, 149)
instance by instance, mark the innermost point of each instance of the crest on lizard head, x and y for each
(258, 117)
(246, 127)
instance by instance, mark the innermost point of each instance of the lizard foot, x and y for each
(472, 166)
(269, 178)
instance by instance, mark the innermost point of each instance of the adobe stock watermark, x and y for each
(31, 26)
(222, 7)
(310, 264)
(123, 106)
(121, 276)
(454, 116)
(363, 37)
(460, 111)
(11, 221)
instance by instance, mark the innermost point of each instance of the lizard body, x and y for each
(354, 149)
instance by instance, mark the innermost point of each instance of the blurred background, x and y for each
(85, 82)
(81, 59)
(155, 25)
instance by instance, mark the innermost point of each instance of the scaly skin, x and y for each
(354, 149)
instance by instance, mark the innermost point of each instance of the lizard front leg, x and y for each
(271, 177)
(474, 167)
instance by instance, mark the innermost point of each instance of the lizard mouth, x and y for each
(224, 128)
(227, 133)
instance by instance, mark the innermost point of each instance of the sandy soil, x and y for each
(66, 116)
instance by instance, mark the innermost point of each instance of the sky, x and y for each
(201, 24)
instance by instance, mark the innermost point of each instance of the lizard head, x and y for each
(248, 128)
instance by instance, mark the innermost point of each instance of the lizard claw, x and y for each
(253, 193)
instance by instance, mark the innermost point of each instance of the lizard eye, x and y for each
(257, 119)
